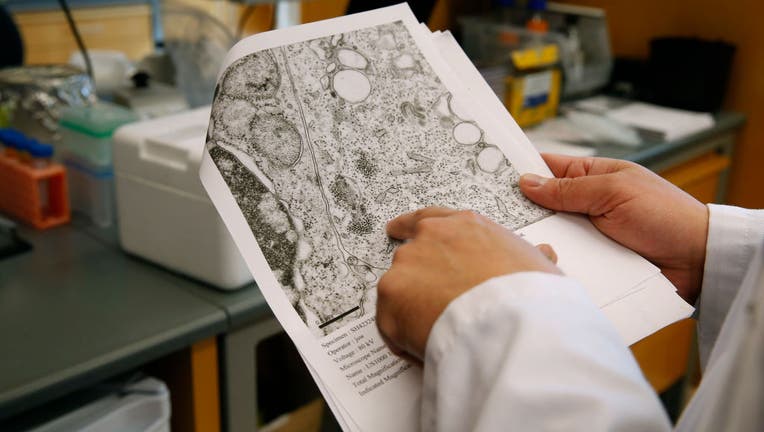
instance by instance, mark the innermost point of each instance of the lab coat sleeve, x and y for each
(531, 351)
(733, 235)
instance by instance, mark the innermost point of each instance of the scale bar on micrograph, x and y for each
(339, 317)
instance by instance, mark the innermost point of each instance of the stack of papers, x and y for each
(322, 133)
(654, 121)
(668, 123)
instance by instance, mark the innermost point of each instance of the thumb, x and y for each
(586, 194)
(548, 252)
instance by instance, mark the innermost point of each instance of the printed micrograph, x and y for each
(322, 142)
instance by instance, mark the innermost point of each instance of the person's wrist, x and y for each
(697, 256)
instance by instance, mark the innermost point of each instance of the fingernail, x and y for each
(533, 180)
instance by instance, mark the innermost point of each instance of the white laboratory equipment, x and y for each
(164, 212)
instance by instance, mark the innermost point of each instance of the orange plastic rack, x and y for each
(22, 195)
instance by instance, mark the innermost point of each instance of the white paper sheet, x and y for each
(319, 135)
(672, 123)
(650, 307)
(659, 121)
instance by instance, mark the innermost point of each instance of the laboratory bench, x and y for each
(698, 163)
(76, 310)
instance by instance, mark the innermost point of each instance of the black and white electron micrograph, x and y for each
(322, 142)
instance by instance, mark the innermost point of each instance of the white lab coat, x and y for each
(531, 352)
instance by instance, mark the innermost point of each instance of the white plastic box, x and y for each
(141, 407)
(164, 212)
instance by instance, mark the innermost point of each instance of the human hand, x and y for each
(633, 206)
(448, 252)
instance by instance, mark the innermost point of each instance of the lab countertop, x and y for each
(76, 309)
(659, 155)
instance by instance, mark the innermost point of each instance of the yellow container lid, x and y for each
(535, 57)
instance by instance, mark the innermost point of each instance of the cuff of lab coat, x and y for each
(733, 235)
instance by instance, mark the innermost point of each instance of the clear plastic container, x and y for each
(580, 34)
(91, 190)
(86, 131)
(86, 150)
